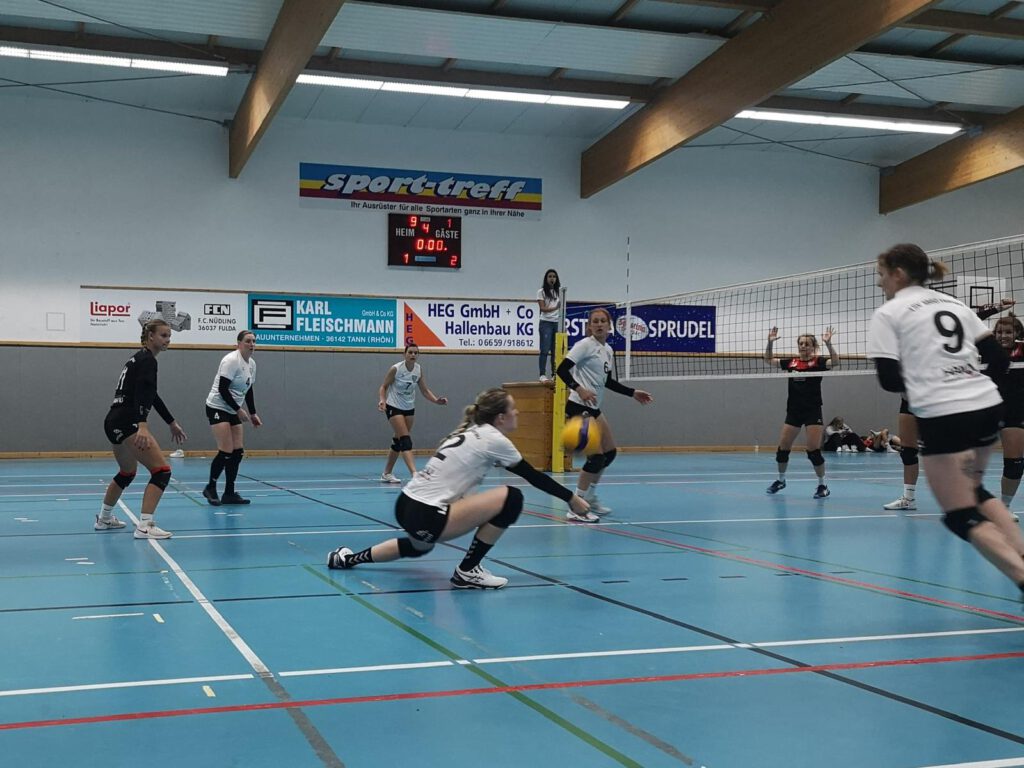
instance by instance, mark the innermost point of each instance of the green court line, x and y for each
(555, 718)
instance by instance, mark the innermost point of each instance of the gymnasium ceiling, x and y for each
(687, 67)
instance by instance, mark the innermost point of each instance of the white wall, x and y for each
(99, 194)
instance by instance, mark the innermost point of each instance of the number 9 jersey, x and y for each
(933, 336)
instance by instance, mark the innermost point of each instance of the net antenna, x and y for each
(987, 276)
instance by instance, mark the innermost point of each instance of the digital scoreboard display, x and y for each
(424, 241)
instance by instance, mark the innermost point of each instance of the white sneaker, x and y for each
(388, 477)
(152, 532)
(477, 578)
(586, 517)
(902, 503)
(545, 380)
(1014, 515)
(178, 454)
(596, 506)
(108, 525)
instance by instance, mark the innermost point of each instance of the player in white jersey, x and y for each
(587, 370)
(434, 505)
(231, 401)
(397, 401)
(928, 344)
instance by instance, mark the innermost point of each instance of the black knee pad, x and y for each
(408, 548)
(982, 495)
(594, 464)
(781, 456)
(815, 458)
(122, 480)
(404, 443)
(396, 445)
(1013, 469)
(961, 521)
(609, 456)
(510, 510)
(908, 456)
(160, 477)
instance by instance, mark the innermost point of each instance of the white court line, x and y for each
(129, 684)
(514, 659)
(1007, 763)
(106, 616)
(651, 651)
(241, 646)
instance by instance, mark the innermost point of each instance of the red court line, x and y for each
(1015, 618)
(412, 695)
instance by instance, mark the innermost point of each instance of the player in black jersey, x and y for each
(130, 438)
(1009, 332)
(803, 404)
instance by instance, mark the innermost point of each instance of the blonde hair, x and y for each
(488, 405)
(150, 328)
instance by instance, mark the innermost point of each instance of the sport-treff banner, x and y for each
(398, 190)
(195, 317)
(323, 321)
(466, 324)
(654, 327)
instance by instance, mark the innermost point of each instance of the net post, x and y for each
(558, 397)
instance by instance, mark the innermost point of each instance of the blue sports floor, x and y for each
(703, 624)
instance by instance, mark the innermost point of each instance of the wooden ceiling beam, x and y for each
(796, 39)
(297, 32)
(974, 157)
(954, 23)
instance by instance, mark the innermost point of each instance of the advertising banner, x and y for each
(654, 327)
(397, 190)
(465, 324)
(195, 317)
(324, 321)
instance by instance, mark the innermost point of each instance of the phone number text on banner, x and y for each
(470, 325)
(654, 327)
(324, 321)
(414, 191)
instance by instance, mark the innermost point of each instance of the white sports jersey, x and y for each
(241, 374)
(459, 465)
(593, 362)
(552, 316)
(933, 337)
(402, 392)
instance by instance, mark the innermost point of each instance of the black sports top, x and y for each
(135, 393)
(804, 391)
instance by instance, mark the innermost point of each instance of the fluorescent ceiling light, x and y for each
(433, 90)
(577, 101)
(340, 82)
(65, 57)
(946, 129)
(529, 98)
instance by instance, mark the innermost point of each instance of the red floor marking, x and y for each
(505, 689)
(1016, 618)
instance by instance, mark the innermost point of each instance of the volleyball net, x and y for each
(722, 332)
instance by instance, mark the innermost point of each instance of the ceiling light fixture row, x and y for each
(125, 62)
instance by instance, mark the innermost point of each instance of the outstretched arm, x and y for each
(833, 356)
(430, 395)
(769, 358)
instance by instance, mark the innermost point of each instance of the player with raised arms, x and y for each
(803, 403)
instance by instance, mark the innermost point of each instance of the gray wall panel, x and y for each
(54, 399)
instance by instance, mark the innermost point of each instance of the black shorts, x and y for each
(959, 432)
(217, 416)
(905, 406)
(118, 426)
(390, 410)
(802, 415)
(423, 522)
(575, 409)
(1013, 413)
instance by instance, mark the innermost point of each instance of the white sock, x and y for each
(1007, 498)
(782, 477)
(146, 521)
(106, 511)
(908, 492)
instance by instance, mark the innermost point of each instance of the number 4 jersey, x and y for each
(460, 464)
(933, 336)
